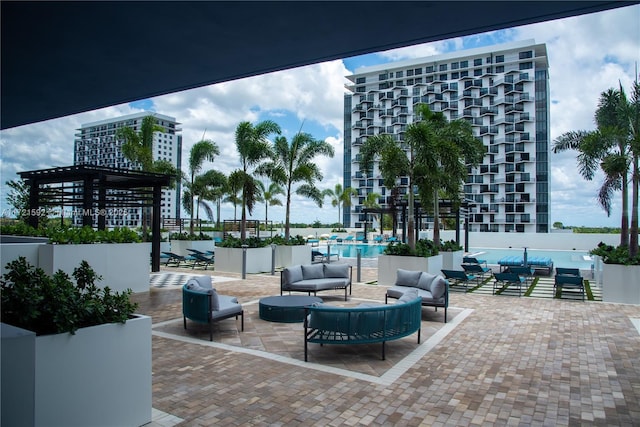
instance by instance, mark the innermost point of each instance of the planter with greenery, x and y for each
(89, 356)
(620, 274)
(110, 252)
(229, 255)
(180, 242)
(292, 251)
(452, 255)
(425, 257)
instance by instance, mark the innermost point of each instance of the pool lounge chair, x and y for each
(378, 239)
(177, 259)
(522, 271)
(392, 239)
(458, 277)
(476, 269)
(348, 239)
(333, 237)
(568, 281)
(473, 260)
(201, 260)
(360, 239)
(505, 280)
(318, 257)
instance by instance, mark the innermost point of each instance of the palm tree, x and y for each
(371, 202)
(138, 149)
(206, 186)
(443, 152)
(340, 198)
(234, 191)
(201, 151)
(254, 148)
(295, 163)
(269, 197)
(393, 163)
(612, 146)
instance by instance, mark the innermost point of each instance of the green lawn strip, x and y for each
(587, 290)
(532, 286)
(479, 285)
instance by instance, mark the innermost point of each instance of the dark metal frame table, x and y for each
(285, 308)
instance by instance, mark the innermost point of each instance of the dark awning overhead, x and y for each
(61, 58)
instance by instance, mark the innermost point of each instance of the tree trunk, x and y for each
(410, 224)
(243, 221)
(286, 218)
(633, 241)
(624, 228)
(436, 221)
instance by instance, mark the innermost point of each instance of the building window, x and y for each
(443, 77)
(418, 71)
(477, 62)
(399, 74)
(409, 73)
(384, 76)
(419, 80)
(464, 64)
(455, 75)
(499, 58)
(526, 55)
(443, 67)
(361, 89)
(526, 65)
(464, 74)
(361, 80)
(454, 65)
(499, 68)
(477, 72)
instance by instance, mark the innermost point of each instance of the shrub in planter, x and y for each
(187, 236)
(87, 235)
(251, 242)
(45, 304)
(450, 246)
(281, 241)
(615, 255)
(424, 248)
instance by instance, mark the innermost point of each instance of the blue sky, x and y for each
(587, 55)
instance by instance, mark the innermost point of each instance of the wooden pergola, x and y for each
(97, 190)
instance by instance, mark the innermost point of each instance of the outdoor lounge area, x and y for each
(458, 375)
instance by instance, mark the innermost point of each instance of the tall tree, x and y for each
(443, 152)
(204, 150)
(294, 163)
(371, 202)
(613, 147)
(393, 163)
(234, 191)
(138, 149)
(253, 148)
(340, 198)
(270, 198)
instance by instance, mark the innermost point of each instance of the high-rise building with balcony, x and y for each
(96, 144)
(502, 91)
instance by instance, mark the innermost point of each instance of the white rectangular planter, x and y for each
(388, 266)
(12, 251)
(230, 259)
(180, 246)
(121, 265)
(292, 255)
(452, 260)
(621, 283)
(101, 376)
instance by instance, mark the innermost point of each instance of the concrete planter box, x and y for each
(101, 376)
(452, 260)
(292, 255)
(230, 259)
(621, 283)
(180, 246)
(121, 265)
(389, 264)
(12, 251)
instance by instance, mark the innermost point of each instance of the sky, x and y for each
(588, 54)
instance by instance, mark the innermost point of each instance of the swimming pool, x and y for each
(569, 259)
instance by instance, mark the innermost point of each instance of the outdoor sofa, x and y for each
(364, 324)
(432, 289)
(313, 278)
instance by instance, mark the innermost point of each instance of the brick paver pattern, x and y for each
(511, 361)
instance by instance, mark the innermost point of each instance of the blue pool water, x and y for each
(569, 259)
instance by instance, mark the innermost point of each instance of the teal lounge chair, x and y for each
(526, 272)
(333, 237)
(377, 239)
(569, 281)
(458, 277)
(348, 239)
(392, 239)
(473, 260)
(505, 280)
(476, 269)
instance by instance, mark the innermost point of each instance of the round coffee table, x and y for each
(285, 308)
